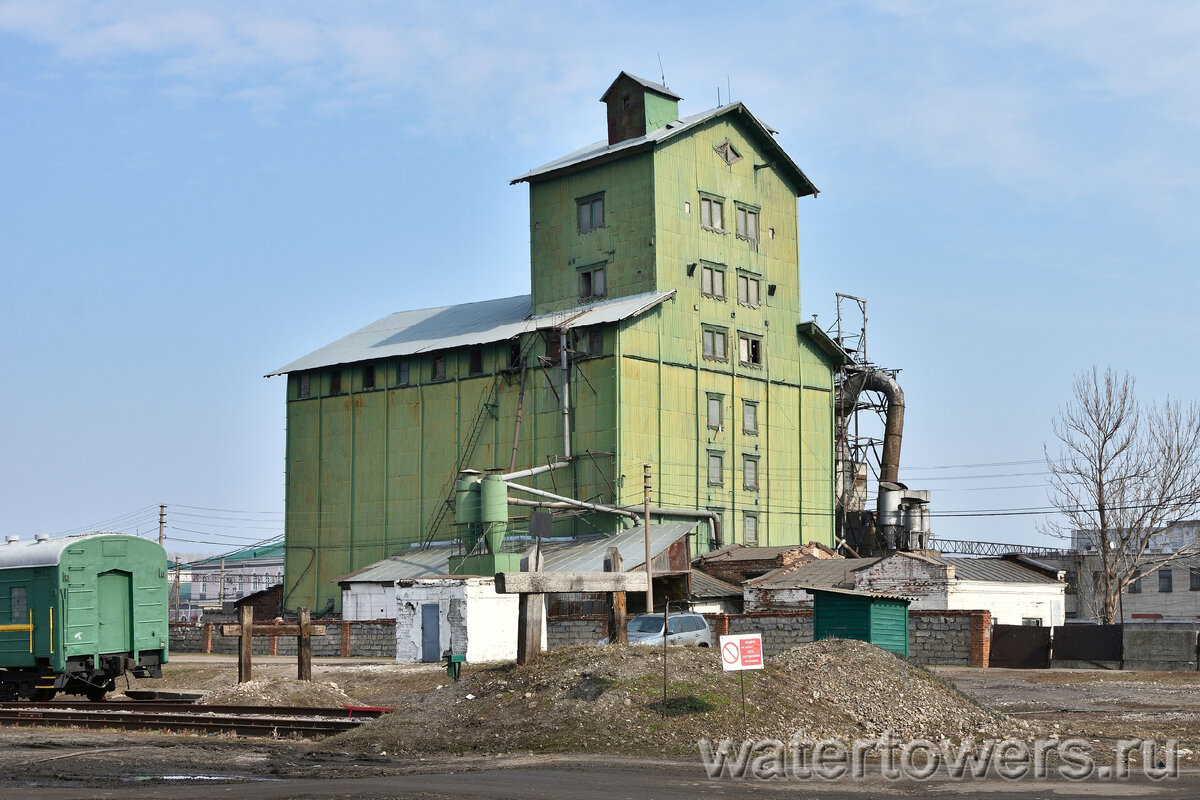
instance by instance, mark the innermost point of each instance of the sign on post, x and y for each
(741, 651)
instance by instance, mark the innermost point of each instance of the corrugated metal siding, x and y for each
(841, 616)
(889, 625)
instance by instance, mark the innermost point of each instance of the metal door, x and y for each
(1020, 647)
(431, 635)
(115, 590)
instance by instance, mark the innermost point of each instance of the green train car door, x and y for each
(116, 599)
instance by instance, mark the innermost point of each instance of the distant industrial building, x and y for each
(663, 327)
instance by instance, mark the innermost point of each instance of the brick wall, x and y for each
(362, 639)
(934, 637)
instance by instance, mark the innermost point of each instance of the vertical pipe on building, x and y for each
(566, 406)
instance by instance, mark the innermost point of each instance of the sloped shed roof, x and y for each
(579, 555)
(426, 330)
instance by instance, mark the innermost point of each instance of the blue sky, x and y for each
(197, 194)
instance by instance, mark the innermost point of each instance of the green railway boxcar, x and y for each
(78, 612)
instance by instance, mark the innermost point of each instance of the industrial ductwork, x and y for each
(893, 426)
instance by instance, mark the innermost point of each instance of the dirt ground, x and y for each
(1095, 704)
(581, 696)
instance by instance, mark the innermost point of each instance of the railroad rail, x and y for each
(260, 721)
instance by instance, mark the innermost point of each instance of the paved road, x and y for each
(611, 782)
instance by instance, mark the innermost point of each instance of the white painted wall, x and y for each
(1012, 603)
(472, 619)
(367, 601)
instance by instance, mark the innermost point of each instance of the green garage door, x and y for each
(116, 604)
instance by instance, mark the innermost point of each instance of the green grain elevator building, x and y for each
(665, 298)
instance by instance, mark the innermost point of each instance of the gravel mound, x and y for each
(610, 700)
(881, 691)
(279, 692)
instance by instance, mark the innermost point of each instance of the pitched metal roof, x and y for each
(852, 593)
(705, 585)
(829, 573)
(993, 569)
(602, 151)
(579, 555)
(740, 552)
(408, 333)
(839, 572)
(263, 551)
(658, 88)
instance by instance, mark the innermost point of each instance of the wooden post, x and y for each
(529, 613)
(616, 601)
(245, 641)
(304, 647)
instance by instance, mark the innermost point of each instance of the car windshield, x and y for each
(645, 624)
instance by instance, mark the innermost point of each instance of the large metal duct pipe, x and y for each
(893, 425)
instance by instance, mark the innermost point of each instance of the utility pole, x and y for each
(162, 522)
(646, 524)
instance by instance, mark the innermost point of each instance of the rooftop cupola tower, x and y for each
(637, 106)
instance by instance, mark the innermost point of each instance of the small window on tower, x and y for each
(747, 224)
(716, 469)
(714, 343)
(715, 411)
(748, 290)
(438, 370)
(305, 386)
(335, 381)
(750, 472)
(514, 353)
(750, 350)
(591, 213)
(368, 377)
(595, 341)
(749, 417)
(402, 374)
(712, 214)
(592, 283)
(712, 282)
(475, 366)
(750, 530)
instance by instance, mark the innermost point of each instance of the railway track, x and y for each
(184, 717)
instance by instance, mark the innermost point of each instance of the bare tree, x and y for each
(1123, 481)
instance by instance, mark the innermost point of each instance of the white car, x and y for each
(683, 630)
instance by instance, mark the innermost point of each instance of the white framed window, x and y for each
(714, 343)
(750, 349)
(591, 213)
(592, 282)
(716, 411)
(749, 416)
(750, 472)
(712, 213)
(748, 290)
(712, 281)
(716, 469)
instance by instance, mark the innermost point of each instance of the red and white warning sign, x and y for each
(742, 651)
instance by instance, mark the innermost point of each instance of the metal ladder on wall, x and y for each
(486, 408)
